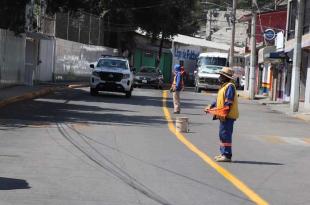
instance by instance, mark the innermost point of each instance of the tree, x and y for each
(160, 19)
(242, 4)
(12, 15)
(165, 19)
(12, 12)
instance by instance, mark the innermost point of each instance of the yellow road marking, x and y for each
(80, 125)
(274, 139)
(225, 173)
(307, 140)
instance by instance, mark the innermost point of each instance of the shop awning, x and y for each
(279, 54)
(264, 53)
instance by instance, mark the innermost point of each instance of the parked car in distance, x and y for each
(208, 66)
(149, 76)
(242, 82)
(111, 74)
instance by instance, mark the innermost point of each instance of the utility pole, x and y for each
(208, 20)
(210, 31)
(253, 52)
(29, 10)
(294, 104)
(233, 31)
(206, 10)
(275, 5)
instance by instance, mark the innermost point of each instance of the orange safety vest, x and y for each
(233, 112)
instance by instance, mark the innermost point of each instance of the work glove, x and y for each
(220, 114)
(207, 108)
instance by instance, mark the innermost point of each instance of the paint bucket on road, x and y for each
(181, 124)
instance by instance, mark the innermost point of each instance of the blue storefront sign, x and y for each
(186, 54)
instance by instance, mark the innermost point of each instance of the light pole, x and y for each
(295, 94)
(253, 53)
(233, 31)
(104, 12)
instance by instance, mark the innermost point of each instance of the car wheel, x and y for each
(128, 94)
(93, 92)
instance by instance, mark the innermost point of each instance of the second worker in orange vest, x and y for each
(176, 88)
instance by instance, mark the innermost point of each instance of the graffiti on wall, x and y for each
(186, 53)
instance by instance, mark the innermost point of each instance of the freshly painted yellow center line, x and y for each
(225, 173)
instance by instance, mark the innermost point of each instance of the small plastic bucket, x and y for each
(181, 124)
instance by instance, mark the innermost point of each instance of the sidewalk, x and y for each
(281, 107)
(20, 93)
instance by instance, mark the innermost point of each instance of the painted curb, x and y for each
(36, 94)
(26, 96)
(78, 85)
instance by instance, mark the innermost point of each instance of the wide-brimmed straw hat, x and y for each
(228, 72)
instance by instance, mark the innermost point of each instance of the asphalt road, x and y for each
(73, 148)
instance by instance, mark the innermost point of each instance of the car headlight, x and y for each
(95, 73)
(126, 76)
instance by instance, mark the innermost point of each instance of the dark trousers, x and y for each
(225, 134)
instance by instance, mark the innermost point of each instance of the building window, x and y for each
(292, 18)
(307, 17)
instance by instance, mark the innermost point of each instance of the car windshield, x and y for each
(148, 70)
(212, 61)
(210, 69)
(112, 63)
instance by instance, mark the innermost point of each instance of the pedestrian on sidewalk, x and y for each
(176, 88)
(225, 109)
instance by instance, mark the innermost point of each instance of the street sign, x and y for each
(269, 34)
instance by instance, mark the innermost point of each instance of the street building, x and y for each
(271, 73)
(289, 47)
(146, 54)
(186, 49)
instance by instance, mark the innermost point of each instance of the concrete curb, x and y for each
(78, 85)
(36, 94)
(26, 96)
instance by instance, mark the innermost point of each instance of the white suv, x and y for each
(111, 74)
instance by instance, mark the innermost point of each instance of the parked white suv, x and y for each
(111, 74)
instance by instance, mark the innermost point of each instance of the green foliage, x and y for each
(12, 15)
(54, 6)
(242, 4)
(168, 18)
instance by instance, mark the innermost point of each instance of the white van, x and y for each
(208, 66)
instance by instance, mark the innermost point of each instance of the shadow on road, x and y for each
(255, 162)
(77, 106)
(10, 184)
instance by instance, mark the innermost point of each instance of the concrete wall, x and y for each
(72, 59)
(12, 58)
